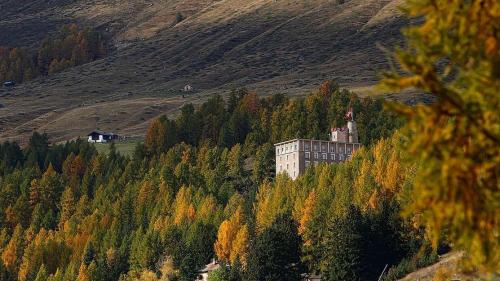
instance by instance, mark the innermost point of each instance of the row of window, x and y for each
(324, 156)
(332, 149)
(293, 147)
(286, 149)
(287, 156)
(308, 163)
(341, 157)
(287, 166)
(316, 155)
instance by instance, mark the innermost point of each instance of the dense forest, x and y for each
(203, 186)
(70, 46)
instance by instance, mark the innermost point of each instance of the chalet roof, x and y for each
(210, 267)
(311, 277)
(100, 133)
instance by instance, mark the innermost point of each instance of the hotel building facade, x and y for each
(294, 156)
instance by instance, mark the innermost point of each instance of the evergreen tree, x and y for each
(88, 253)
(275, 253)
(42, 274)
(37, 150)
(342, 248)
(263, 163)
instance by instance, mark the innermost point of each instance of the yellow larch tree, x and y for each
(227, 234)
(453, 53)
(239, 248)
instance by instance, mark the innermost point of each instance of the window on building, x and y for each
(332, 157)
(277, 152)
(315, 147)
(281, 168)
(308, 155)
(348, 150)
(294, 164)
(287, 157)
(325, 157)
(315, 155)
(295, 147)
(308, 163)
(332, 149)
(287, 166)
(306, 147)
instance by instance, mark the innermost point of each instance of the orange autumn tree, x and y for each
(454, 54)
(232, 239)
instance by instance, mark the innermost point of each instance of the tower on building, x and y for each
(348, 133)
(351, 127)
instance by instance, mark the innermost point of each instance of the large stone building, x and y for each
(294, 156)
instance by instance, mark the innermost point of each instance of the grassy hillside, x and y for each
(125, 148)
(265, 45)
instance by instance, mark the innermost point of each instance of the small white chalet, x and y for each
(203, 273)
(188, 88)
(101, 137)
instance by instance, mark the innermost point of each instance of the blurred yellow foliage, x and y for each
(454, 55)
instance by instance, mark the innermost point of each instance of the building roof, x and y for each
(100, 133)
(283, 142)
(294, 140)
(210, 267)
(308, 276)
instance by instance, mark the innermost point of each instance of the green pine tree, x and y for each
(342, 248)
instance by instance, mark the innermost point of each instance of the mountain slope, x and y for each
(265, 45)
